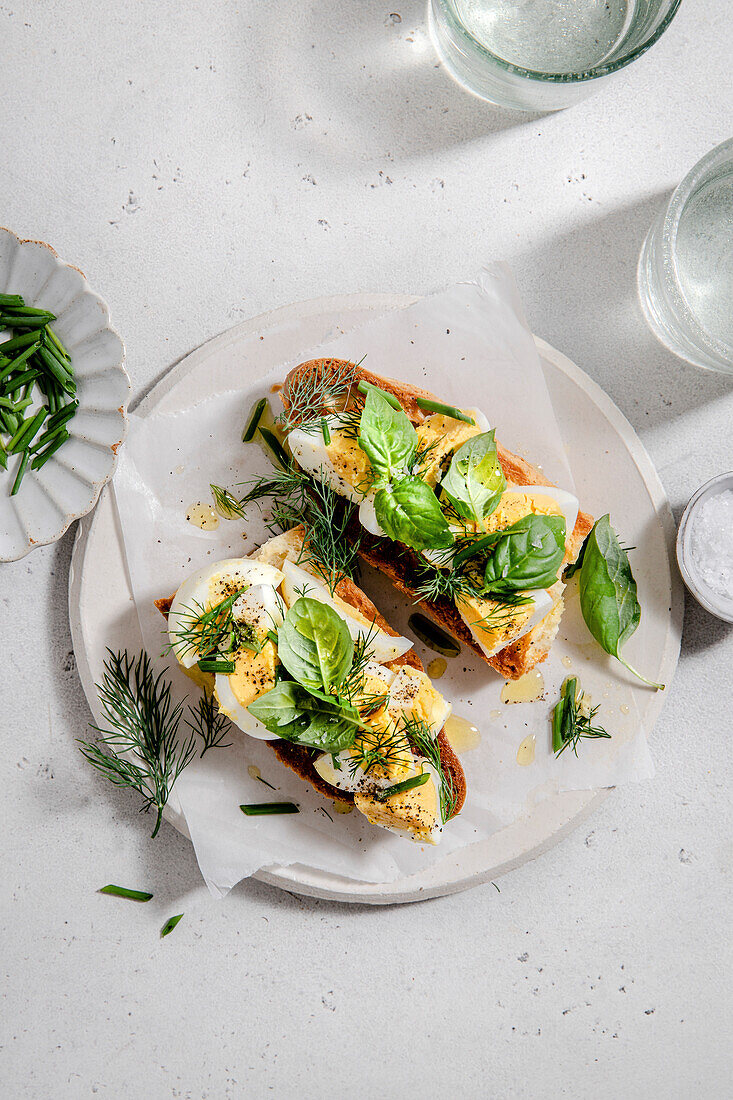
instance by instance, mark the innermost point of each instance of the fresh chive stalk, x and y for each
(272, 636)
(445, 410)
(11, 300)
(20, 473)
(364, 387)
(17, 342)
(57, 343)
(259, 809)
(169, 925)
(26, 434)
(210, 664)
(43, 456)
(275, 446)
(254, 420)
(123, 892)
(325, 431)
(398, 788)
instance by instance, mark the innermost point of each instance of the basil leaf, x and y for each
(527, 554)
(386, 436)
(315, 646)
(289, 712)
(607, 590)
(475, 480)
(408, 511)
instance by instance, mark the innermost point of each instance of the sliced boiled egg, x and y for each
(495, 625)
(412, 696)
(341, 463)
(546, 500)
(298, 582)
(254, 674)
(212, 584)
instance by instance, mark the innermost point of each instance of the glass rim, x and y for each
(669, 229)
(447, 6)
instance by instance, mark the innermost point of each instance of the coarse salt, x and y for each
(711, 543)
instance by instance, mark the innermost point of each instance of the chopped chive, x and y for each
(3, 456)
(11, 300)
(209, 664)
(390, 398)
(31, 311)
(21, 341)
(27, 434)
(276, 447)
(52, 350)
(272, 636)
(57, 421)
(253, 423)
(11, 320)
(48, 437)
(20, 359)
(258, 809)
(325, 431)
(169, 925)
(6, 403)
(19, 475)
(123, 892)
(43, 456)
(62, 374)
(446, 410)
(55, 340)
(22, 404)
(16, 384)
(398, 788)
(261, 780)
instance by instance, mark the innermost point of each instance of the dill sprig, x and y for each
(316, 393)
(419, 735)
(210, 631)
(298, 499)
(434, 584)
(377, 749)
(572, 719)
(209, 724)
(141, 749)
(226, 503)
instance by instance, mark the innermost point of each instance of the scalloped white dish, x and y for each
(68, 485)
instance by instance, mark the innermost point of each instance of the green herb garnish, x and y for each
(169, 925)
(365, 387)
(387, 437)
(258, 809)
(572, 720)
(254, 420)
(212, 664)
(226, 503)
(445, 410)
(325, 431)
(383, 793)
(275, 446)
(475, 480)
(408, 511)
(123, 892)
(211, 726)
(141, 748)
(608, 598)
(527, 554)
(316, 392)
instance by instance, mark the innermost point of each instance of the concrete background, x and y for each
(203, 163)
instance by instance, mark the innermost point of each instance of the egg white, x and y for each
(233, 709)
(311, 454)
(195, 592)
(543, 603)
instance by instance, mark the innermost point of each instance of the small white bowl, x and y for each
(67, 486)
(716, 604)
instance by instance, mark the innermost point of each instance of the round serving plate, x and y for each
(612, 472)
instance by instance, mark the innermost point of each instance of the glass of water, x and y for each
(542, 55)
(685, 273)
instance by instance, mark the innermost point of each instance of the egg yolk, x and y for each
(515, 504)
(443, 435)
(254, 673)
(349, 461)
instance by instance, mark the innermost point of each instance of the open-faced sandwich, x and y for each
(475, 534)
(297, 655)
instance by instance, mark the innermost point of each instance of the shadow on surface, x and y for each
(363, 81)
(589, 273)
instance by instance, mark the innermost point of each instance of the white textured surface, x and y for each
(171, 154)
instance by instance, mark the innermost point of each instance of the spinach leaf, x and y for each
(408, 512)
(475, 480)
(575, 566)
(290, 712)
(527, 554)
(315, 646)
(607, 590)
(386, 436)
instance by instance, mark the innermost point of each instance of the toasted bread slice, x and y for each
(399, 563)
(299, 757)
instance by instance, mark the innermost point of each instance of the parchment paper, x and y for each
(471, 346)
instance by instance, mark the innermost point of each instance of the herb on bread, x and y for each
(317, 393)
(408, 511)
(475, 480)
(527, 554)
(608, 598)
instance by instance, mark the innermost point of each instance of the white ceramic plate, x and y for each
(611, 469)
(68, 485)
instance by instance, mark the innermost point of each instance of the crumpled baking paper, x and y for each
(470, 345)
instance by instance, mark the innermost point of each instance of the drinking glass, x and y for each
(685, 274)
(542, 55)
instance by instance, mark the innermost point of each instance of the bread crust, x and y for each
(400, 564)
(300, 758)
